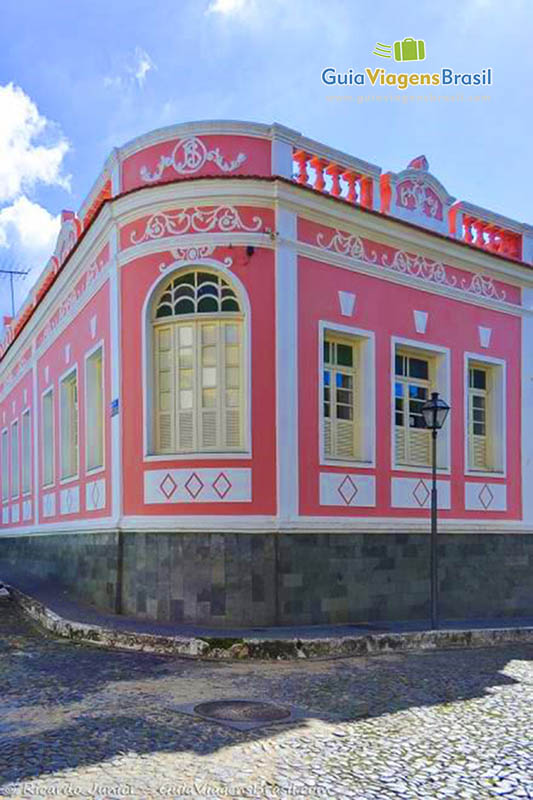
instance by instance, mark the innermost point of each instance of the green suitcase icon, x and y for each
(410, 50)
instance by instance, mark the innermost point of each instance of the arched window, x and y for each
(199, 365)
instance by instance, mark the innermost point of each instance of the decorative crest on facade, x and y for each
(195, 220)
(190, 255)
(188, 156)
(416, 195)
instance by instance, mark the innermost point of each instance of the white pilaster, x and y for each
(527, 405)
(287, 367)
(115, 361)
(282, 144)
(35, 418)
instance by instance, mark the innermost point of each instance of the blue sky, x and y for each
(77, 79)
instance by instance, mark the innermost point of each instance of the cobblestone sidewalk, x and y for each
(78, 721)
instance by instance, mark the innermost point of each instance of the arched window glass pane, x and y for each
(197, 293)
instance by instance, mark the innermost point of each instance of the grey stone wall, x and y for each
(83, 563)
(232, 580)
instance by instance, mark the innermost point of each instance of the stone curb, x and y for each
(265, 649)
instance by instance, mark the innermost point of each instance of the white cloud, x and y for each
(24, 160)
(29, 229)
(229, 7)
(32, 150)
(131, 70)
(144, 65)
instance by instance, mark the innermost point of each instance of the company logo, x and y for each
(405, 50)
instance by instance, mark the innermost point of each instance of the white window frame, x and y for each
(441, 355)
(148, 364)
(88, 355)
(6, 461)
(70, 371)
(499, 370)
(15, 425)
(49, 390)
(367, 393)
(25, 413)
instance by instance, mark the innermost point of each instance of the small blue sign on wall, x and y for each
(114, 407)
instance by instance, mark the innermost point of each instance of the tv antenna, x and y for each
(14, 274)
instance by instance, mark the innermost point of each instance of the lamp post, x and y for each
(435, 412)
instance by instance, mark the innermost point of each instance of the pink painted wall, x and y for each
(79, 338)
(11, 408)
(257, 275)
(387, 309)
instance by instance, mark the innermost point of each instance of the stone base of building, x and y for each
(243, 580)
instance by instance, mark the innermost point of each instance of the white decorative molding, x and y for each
(67, 353)
(347, 303)
(75, 300)
(347, 489)
(92, 326)
(484, 336)
(46, 374)
(5, 515)
(26, 510)
(485, 497)
(220, 485)
(13, 406)
(70, 500)
(416, 266)
(95, 494)
(416, 493)
(482, 286)
(189, 255)
(195, 220)
(25, 397)
(421, 321)
(188, 156)
(15, 512)
(49, 504)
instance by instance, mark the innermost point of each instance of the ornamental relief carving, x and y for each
(416, 266)
(188, 156)
(416, 195)
(195, 220)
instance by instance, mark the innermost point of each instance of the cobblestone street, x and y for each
(79, 721)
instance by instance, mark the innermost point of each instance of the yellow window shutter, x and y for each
(165, 389)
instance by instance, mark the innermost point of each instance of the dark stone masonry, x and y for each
(227, 580)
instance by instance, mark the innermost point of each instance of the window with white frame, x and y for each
(48, 437)
(198, 358)
(414, 378)
(485, 416)
(5, 465)
(15, 462)
(69, 425)
(341, 406)
(94, 387)
(26, 452)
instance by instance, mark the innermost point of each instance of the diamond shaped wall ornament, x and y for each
(421, 493)
(194, 485)
(96, 494)
(221, 485)
(485, 496)
(168, 485)
(347, 490)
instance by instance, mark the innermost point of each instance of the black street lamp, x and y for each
(435, 412)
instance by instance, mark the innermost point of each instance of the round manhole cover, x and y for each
(242, 711)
